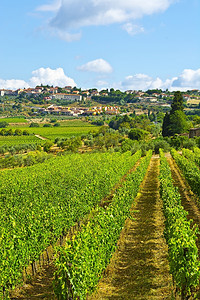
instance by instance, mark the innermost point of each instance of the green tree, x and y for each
(33, 124)
(18, 132)
(175, 121)
(3, 124)
(166, 125)
(47, 146)
(178, 123)
(177, 103)
(138, 134)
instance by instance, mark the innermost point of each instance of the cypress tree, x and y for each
(166, 123)
(175, 120)
(177, 103)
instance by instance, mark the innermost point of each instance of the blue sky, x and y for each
(125, 44)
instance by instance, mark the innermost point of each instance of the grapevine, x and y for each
(81, 262)
(38, 204)
(180, 236)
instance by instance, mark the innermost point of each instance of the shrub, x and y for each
(34, 125)
(138, 134)
(3, 124)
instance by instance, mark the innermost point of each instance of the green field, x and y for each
(75, 123)
(40, 203)
(63, 131)
(16, 140)
(67, 129)
(13, 120)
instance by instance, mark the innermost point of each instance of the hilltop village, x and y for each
(72, 101)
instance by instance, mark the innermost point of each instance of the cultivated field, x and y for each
(68, 128)
(119, 226)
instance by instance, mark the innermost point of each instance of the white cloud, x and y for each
(133, 29)
(97, 66)
(101, 12)
(60, 34)
(13, 84)
(43, 76)
(145, 82)
(189, 79)
(50, 7)
(102, 83)
(75, 14)
(66, 36)
(51, 77)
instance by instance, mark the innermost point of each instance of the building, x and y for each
(2, 93)
(71, 97)
(194, 132)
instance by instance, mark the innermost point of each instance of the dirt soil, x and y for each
(40, 287)
(139, 269)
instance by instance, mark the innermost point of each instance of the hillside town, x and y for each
(75, 94)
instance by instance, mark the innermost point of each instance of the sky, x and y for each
(120, 44)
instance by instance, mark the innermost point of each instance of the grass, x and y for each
(13, 120)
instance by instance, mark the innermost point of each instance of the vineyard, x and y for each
(121, 226)
(17, 140)
(67, 128)
(59, 132)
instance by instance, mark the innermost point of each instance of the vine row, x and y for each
(180, 235)
(192, 155)
(39, 204)
(83, 259)
(190, 171)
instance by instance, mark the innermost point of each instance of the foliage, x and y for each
(47, 146)
(193, 156)
(98, 122)
(18, 148)
(17, 132)
(56, 124)
(178, 123)
(141, 121)
(175, 121)
(81, 262)
(129, 145)
(70, 144)
(181, 238)
(161, 144)
(177, 141)
(47, 125)
(40, 203)
(189, 169)
(177, 103)
(138, 134)
(12, 140)
(11, 161)
(33, 124)
(3, 124)
(71, 128)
